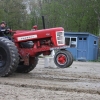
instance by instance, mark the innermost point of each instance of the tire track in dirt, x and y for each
(91, 91)
(51, 83)
(55, 79)
(49, 72)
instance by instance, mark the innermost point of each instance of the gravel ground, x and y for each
(81, 81)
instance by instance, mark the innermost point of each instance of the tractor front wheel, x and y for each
(63, 58)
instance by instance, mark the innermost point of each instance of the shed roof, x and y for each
(80, 33)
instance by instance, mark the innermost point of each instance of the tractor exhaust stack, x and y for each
(43, 22)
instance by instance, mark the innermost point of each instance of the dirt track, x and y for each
(81, 81)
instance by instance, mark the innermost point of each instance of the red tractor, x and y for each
(21, 54)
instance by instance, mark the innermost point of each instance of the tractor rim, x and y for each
(3, 57)
(61, 59)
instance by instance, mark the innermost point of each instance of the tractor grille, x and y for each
(60, 38)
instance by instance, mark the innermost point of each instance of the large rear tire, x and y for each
(63, 58)
(27, 68)
(9, 57)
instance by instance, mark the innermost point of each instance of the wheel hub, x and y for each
(61, 59)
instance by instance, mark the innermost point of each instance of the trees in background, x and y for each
(73, 15)
(14, 13)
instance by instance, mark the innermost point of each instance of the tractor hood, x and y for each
(27, 35)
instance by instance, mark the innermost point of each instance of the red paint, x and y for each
(61, 59)
(41, 34)
(46, 39)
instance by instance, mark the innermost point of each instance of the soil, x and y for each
(81, 81)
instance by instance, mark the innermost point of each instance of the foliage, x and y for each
(13, 12)
(73, 15)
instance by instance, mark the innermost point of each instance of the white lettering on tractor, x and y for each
(26, 37)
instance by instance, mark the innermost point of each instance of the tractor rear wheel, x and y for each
(27, 68)
(9, 57)
(63, 58)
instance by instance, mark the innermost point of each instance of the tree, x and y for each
(14, 13)
(73, 15)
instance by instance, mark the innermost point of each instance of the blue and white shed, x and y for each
(82, 45)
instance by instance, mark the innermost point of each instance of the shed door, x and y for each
(82, 48)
